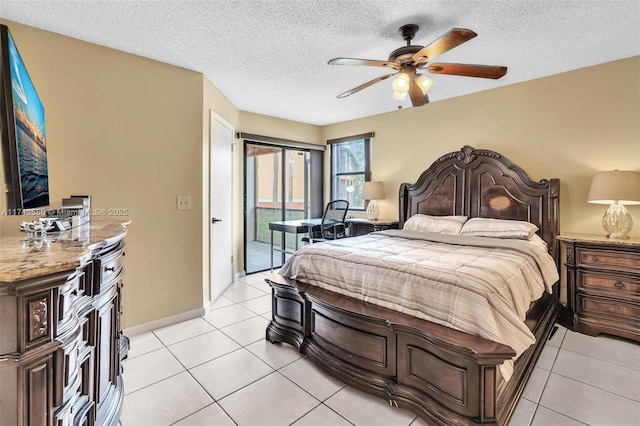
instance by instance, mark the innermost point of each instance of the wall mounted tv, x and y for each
(24, 142)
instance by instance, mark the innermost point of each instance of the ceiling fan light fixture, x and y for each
(408, 60)
(401, 83)
(399, 96)
(425, 83)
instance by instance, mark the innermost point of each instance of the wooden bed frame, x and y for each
(445, 376)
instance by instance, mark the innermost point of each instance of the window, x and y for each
(350, 168)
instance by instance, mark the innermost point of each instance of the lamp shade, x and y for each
(373, 191)
(619, 186)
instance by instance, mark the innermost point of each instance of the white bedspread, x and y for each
(482, 286)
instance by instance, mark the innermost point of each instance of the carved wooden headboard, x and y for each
(482, 183)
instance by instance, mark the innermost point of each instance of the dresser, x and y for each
(61, 343)
(603, 285)
(360, 226)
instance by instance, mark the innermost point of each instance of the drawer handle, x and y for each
(110, 269)
(596, 259)
(619, 284)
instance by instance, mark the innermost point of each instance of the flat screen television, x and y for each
(24, 142)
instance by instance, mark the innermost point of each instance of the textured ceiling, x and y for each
(270, 57)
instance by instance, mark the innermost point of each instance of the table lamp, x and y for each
(373, 191)
(616, 188)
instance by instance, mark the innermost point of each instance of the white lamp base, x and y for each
(617, 222)
(372, 210)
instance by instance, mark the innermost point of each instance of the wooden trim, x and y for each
(280, 142)
(369, 135)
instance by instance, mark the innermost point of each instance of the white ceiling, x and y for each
(270, 56)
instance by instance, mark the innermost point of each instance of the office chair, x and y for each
(333, 224)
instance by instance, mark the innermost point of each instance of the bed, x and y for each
(445, 375)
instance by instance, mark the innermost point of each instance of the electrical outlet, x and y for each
(184, 202)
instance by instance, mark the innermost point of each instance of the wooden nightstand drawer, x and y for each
(611, 308)
(598, 280)
(607, 258)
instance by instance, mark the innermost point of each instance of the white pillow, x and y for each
(535, 239)
(498, 228)
(435, 224)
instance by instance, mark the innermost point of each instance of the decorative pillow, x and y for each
(498, 228)
(435, 224)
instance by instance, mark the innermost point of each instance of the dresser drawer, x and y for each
(68, 295)
(603, 281)
(608, 259)
(111, 265)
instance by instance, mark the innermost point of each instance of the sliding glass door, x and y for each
(277, 188)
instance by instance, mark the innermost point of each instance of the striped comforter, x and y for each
(482, 286)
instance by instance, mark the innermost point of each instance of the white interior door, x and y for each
(221, 205)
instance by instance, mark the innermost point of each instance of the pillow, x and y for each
(435, 224)
(498, 228)
(535, 239)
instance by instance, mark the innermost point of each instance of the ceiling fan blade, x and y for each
(364, 86)
(468, 70)
(446, 42)
(366, 62)
(415, 93)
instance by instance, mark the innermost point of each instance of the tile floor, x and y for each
(220, 370)
(258, 255)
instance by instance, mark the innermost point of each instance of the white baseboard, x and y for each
(163, 322)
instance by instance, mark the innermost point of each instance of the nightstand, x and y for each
(603, 285)
(360, 226)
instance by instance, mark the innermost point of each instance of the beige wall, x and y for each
(128, 131)
(278, 128)
(566, 126)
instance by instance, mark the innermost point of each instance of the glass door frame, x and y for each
(313, 205)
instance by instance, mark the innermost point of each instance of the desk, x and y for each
(293, 227)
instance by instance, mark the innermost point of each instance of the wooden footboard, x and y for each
(445, 376)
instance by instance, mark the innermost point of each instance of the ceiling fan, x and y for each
(408, 60)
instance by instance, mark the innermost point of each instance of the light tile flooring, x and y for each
(220, 370)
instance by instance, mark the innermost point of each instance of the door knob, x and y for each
(214, 220)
